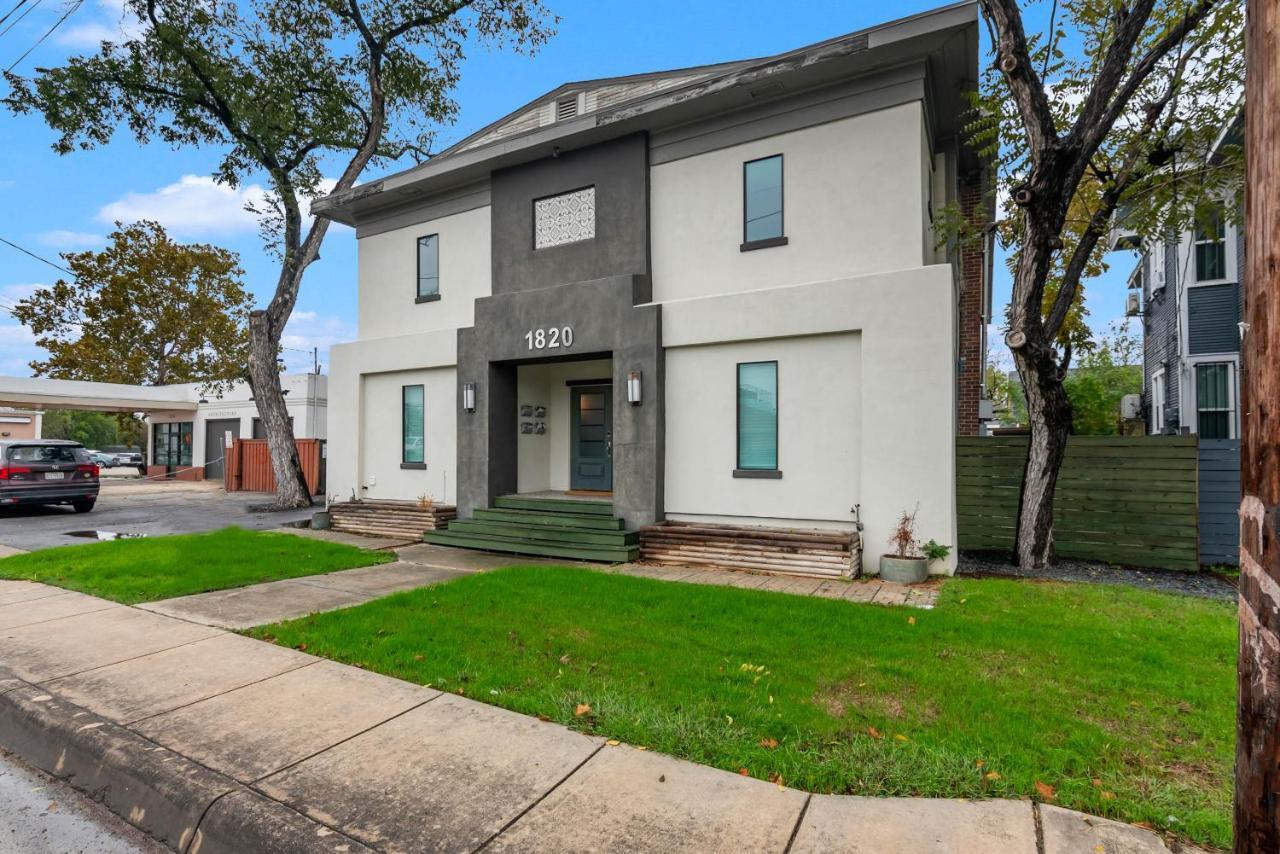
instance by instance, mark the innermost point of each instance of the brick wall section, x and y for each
(969, 336)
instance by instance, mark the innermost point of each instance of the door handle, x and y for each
(608, 444)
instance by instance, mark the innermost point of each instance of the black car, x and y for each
(47, 471)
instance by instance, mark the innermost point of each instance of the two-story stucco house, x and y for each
(710, 295)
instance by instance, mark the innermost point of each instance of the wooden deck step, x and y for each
(607, 554)
(555, 520)
(546, 533)
(780, 550)
(407, 519)
(555, 505)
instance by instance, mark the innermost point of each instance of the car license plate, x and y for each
(55, 475)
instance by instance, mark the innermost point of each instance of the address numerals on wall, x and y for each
(553, 338)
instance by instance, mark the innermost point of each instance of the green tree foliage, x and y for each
(145, 311)
(280, 88)
(1105, 373)
(91, 429)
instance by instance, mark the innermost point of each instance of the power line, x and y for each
(48, 33)
(18, 19)
(21, 3)
(37, 257)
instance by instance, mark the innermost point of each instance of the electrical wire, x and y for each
(37, 257)
(48, 33)
(21, 3)
(18, 19)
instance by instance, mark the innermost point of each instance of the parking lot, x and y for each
(132, 505)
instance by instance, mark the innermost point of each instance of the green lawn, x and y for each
(1005, 685)
(152, 568)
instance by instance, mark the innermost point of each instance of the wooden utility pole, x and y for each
(1257, 805)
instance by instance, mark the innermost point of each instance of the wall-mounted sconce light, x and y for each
(633, 388)
(203, 400)
(469, 397)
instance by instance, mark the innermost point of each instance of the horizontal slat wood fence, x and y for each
(1122, 499)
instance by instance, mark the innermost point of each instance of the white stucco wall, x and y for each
(900, 454)
(819, 442)
(364, 416)
(853, 203)
(388, 276)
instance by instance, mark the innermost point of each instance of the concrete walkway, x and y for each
(214, 742)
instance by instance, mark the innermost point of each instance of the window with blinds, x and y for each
(1215, 412)
(414, 426)
(758, 416)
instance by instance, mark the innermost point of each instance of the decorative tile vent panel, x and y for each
(566, 218)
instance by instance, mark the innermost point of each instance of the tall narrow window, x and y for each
(1211, 248)
(762, 203)
(1215, 413)
(1157, 402)
(413, 426)
(758, 416)
(428, 267)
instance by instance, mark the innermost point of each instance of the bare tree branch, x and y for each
(1020, 73)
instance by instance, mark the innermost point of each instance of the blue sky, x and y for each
(51, 203)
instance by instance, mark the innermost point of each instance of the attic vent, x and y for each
(566, 108)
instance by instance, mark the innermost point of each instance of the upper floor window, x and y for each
(429, 268)
(762, 203)
(1211, 248)
(566, 218)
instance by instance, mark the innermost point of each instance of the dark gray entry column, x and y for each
(604, 322)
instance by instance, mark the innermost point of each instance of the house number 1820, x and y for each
(549, 339)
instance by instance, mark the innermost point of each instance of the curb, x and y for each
(182, 804)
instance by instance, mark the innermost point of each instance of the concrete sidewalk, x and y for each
(214, 742)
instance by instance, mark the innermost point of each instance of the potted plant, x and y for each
(904, 564)
(934, 552)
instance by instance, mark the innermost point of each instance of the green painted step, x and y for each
(555, 505)
(554, 520)
(606, 554)
(540, 533)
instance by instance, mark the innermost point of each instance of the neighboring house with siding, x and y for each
(1191, 306)
(711, 295)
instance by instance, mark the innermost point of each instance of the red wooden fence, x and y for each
(248, 465)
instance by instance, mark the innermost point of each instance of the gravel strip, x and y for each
(1203, 584)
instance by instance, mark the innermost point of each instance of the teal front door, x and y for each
(591, 438)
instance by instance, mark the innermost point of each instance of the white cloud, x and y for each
(61, 238)
(13, 293)
(109, 21)
(196, 204)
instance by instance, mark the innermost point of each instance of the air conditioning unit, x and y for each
(1157, 280)
(986, 410)
(1132, 304)
(1131, 407)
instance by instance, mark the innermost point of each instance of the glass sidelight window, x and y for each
(171, 444)
(414, 440)
(428, 267)
(1215, 395)
(758, 416)
(762, 200)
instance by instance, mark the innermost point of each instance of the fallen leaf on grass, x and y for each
(775, 777)
(768, 743)
(1046, 791)
(302, 647)
(744, 772)
(543, 718)
(1108, 796)
(901, 737)
(564, 659)
(992, 775)
(613, 742)
(581, 709)
(980, 763)
(1097, 784)
(911, 621)
(874, 733)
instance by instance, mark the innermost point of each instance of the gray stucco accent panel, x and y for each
(619, 172)
(606, 322)
(862, 95)
(1212, 318)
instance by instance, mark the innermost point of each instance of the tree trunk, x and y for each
(264, 378)
(1257, 795)
(1049, 413)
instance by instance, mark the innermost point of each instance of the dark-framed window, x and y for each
(429, 268)
(260, 432)
(757, 418)
(413, 425)
(762, 203)
(1211, 248)
(1215, 397)
(171, 443)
